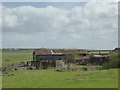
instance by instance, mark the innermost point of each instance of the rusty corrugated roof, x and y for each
(62, 51)
(42, 52)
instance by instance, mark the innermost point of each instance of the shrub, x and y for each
(7, 68)
(114, 61)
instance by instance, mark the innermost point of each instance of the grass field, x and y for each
(102, 52)
(52, 79)
(16, 56)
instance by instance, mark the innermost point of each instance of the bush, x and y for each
(7, 68)
(114, 61)
(78, 69)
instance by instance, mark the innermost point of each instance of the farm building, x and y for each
(98, 59)
(95, 60)
(46, 58)
(82, 60)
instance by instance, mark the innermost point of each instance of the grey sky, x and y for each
(66, 25)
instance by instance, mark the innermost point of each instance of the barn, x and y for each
(98, 59)
(48, 58)
(82, 60)
(52, 58)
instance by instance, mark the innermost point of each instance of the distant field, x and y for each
(102, 52)
(52, 79)
(15, 56)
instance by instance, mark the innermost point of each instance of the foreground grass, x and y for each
(52, 79)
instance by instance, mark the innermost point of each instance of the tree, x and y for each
(114, 60)
(70, 57)
(91, 55)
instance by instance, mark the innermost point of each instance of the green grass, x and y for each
(96, 52)
(16, 56)
(52, 79)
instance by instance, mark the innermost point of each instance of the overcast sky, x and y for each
(60, 25)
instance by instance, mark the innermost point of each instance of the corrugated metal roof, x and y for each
(100, 56)
(42, 52)
(62, 51)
